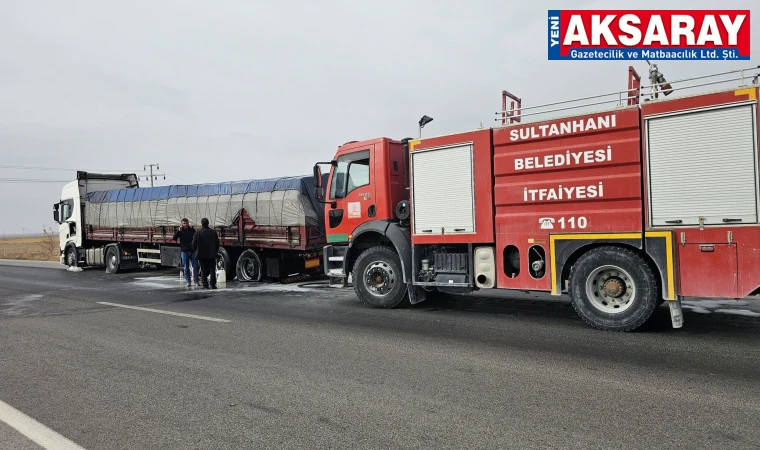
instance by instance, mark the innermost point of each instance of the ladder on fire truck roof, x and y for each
(629, 97)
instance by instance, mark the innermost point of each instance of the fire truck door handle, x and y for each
(371, 211)
(731, 220)
(427, 231)
(674, 221)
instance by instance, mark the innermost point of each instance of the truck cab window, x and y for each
(357, 174)
(67, 210)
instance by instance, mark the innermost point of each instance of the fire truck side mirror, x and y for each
(319, 190)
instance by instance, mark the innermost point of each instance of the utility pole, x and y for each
(153, 176)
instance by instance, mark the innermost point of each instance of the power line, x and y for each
(4, 166)
(31, 180)
(60, 169)
(177, 178)
(153, 176)
(63, 169)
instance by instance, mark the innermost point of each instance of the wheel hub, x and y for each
(610, 289)
(250, 269)
(614, 287)
(379, 279)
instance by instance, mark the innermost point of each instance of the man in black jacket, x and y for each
(206, 243)
(185, 236)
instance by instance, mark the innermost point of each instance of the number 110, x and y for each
(572, 222)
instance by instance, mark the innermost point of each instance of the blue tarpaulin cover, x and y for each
(286, 201)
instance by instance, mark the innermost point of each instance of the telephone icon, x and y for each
(547, 223)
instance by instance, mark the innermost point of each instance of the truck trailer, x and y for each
(271, 228)
(647, 200)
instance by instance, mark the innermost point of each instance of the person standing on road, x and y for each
(206, 243)
(185, 236)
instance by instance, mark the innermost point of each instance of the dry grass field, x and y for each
(37, 248)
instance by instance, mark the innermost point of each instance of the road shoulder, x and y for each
(34, 264)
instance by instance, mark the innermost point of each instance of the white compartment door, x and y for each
(703, 164)
(443, 190)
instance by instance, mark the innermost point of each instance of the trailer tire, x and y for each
(223, 262)
(72, 259)
(613, 289)
(112, 260)
(378, 279)
(249, 266)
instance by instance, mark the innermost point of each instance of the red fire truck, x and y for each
(652, 199)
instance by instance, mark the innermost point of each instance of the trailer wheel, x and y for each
(613, 289)
(223, 262)
(72, 260)
(249, 266)
(378, 280)
(112, 260)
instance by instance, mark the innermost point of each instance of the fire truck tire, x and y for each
(613, 289)
(378, 279)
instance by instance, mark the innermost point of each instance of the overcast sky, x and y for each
(230, 90)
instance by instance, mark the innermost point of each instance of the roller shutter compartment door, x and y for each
(443, 191)
(703, 164)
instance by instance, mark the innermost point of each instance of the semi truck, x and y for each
(268, 229)
(649, 199)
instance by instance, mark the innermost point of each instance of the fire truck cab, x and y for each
(648, 200)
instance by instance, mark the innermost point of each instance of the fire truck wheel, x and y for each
(613, 289)
(378, 280)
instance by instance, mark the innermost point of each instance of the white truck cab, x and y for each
(69, 211)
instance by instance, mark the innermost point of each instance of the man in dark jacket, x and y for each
(185, 236)
(206, 243)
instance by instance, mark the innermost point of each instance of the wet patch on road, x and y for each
(722, 307)
(19, 305)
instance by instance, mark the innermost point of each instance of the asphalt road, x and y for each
(273, 366)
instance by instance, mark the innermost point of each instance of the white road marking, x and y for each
(191, 316)
(34, 430)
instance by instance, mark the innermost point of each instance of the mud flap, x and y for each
(676, 313)
(416, 295)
